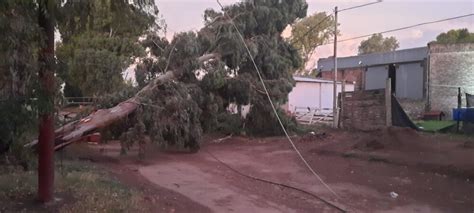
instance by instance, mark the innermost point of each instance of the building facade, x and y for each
(451, 67)
(406, 68)
(425, 78)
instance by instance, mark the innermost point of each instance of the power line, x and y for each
(312, 28)
(275, 183)
(403, 28)
(363, 5)
(330, 15)
(273, 106)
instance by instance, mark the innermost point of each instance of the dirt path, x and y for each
(363, 185)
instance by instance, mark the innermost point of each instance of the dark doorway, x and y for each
(393, 77)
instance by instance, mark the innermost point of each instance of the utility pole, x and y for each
(334, 106)
(46, 117)
(336, 11)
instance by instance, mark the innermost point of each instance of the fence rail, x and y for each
(81, 100)
(312, 115)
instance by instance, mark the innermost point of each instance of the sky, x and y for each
(185, 15)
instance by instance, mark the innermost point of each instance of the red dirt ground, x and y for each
(430, 173)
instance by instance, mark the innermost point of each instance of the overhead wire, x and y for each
(328, 16)
(275, 183)
(399, 29)
(358, 6)
(274, 108)
(387, 31)
(312, 28)
(407, 27)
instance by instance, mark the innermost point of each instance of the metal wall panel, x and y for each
(375, 77)
(409, 81)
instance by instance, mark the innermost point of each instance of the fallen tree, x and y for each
(76, 130)
(175, 106)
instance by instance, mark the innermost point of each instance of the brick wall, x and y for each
(364, 110)
(351, 75)
(451, 66)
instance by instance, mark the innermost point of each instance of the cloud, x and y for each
(416, 33)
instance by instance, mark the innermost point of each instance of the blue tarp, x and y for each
(463, 114)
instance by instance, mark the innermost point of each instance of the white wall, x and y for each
(304, 94)
(313, 95)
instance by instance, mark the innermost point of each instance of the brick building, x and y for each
(425, 78)
(406, 68)
(450, 67)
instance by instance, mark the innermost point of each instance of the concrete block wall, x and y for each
(451, 66)
(364, 110)
(414, 108)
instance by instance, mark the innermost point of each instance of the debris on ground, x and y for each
(220, 140)
(313, 137)
(393, 195)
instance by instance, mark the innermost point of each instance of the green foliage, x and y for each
(260, 124)
(112, 99)
(261, 23)
(94, 63)
(455, 36)
(18, 77)
(105, 17)
(377, 43)
(99, 41)
(169, 116)
(322, 29)
(17, 126)
(229, 124)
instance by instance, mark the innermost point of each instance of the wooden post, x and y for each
(388, 103)
(334, 107)
(312, 115)
(341, 106)
(459, 109)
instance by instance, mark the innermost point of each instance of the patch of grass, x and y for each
(435, 126)
(81, 188)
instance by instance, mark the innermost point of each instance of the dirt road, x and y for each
(362, 182)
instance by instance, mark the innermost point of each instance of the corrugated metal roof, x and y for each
(316, 80)
(398, 56)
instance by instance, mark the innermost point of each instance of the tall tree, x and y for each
(455, 36)
(99, 41)
(377, 43)
(20, 42)
(174, 104)
(309, 33)
(262, 23)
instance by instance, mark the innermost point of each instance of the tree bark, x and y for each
(46, 118)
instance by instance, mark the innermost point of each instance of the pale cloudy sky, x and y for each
(184, 15)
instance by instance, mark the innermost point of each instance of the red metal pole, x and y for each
(46, 119)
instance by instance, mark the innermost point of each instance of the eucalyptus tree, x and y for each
(99, 40)
(175, 102)
(309, 33)
(377, 43)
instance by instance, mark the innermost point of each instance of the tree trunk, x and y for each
(46, 118)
